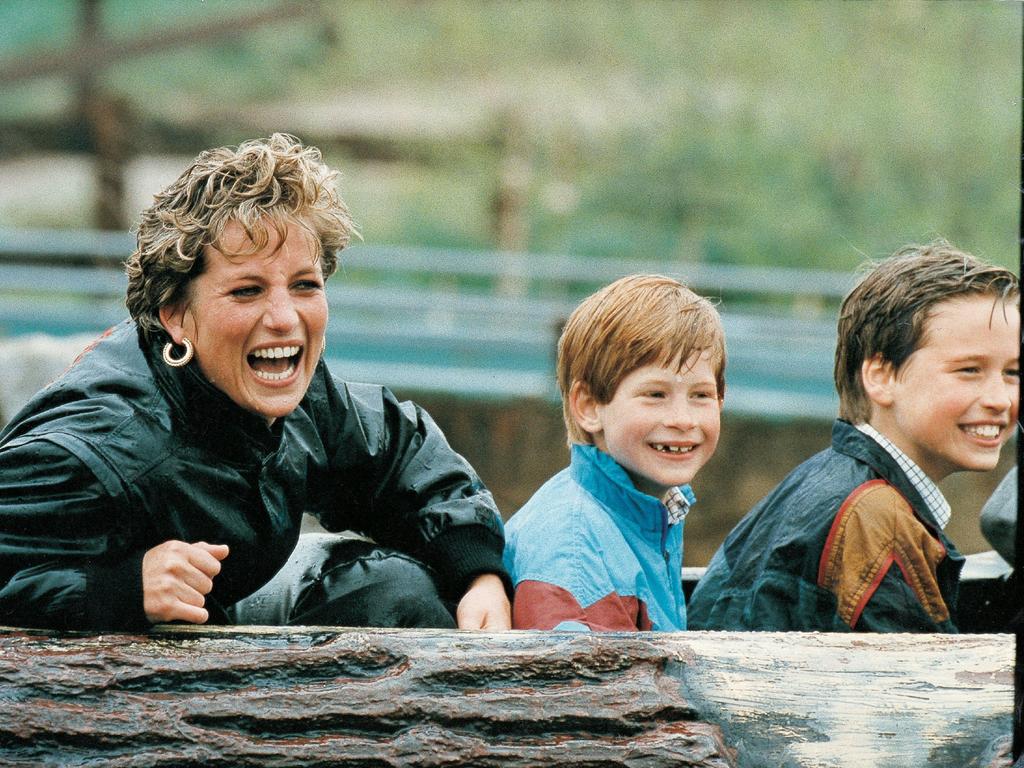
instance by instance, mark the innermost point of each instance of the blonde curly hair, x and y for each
(274, 182)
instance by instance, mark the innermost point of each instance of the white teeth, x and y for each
(274, 352)
(672, 448)
(276, 376)
(986, 431)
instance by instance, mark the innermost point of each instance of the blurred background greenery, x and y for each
(729, 134)
(783, 133)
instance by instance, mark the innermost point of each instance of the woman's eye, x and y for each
(308, 285)
(245, 292)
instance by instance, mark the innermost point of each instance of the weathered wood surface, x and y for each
(317, 697)
(805, 699)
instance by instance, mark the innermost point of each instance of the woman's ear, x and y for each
(172, 318)
(877, 377)
(584, 408)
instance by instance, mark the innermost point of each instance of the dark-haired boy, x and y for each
(927, 374)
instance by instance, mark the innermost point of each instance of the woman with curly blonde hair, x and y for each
(165, 476)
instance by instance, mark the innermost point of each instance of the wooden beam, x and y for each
(94, 54)
(319, 696)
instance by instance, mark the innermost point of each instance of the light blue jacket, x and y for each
(590, 552)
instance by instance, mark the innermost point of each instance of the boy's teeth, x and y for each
(987, 431)
(274, 352)
(672, 448)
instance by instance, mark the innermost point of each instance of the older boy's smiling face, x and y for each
(661, 425)
(954, 402)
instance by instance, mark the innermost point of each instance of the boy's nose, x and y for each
(999, 395)
(680, 415)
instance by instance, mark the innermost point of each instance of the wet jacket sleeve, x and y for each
(894, 606)
(398, 480)
(880, 562)
(999, 517)
(61, 565)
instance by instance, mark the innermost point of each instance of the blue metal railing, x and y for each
(472, 323)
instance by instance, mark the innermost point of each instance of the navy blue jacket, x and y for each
(843, 543)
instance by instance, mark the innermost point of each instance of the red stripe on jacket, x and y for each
(539, 605)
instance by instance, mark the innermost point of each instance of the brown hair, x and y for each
(887, 312)
(636, 321)
(275, 181)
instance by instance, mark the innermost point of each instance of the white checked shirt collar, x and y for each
(923, 484)
(678, 501)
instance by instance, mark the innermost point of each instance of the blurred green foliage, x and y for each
(795, 133)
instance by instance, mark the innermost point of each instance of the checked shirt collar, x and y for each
(923, 484)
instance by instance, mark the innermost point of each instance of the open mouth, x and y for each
(984, 431)
(274, 363)
(673, 449)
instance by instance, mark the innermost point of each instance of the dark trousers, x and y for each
(339, 580)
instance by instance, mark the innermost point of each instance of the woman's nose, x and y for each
(280, 313)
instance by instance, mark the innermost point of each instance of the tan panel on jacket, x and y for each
(874, 529)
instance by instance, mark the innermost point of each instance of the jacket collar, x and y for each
(609, 483)
(208, 414)
(849, 440)
(925, 486)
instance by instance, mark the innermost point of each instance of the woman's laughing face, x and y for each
(256, 320)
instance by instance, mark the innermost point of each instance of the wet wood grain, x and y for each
(318, 697)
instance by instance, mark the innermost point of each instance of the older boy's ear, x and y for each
(878, 376)
(583, 407)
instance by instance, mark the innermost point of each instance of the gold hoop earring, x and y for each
(186, 356)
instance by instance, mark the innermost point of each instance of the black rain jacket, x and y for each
(123, 453)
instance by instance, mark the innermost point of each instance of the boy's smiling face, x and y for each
(953, 403)
(661, 425)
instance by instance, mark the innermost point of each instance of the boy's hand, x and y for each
(176, 577)
(485, 606)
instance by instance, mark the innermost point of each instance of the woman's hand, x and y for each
(176, 577)
(485, 606)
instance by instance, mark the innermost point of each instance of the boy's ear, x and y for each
(172, 318)
(878, 376)
(583, 407)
